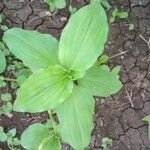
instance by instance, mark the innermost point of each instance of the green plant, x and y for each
(7, 105)
(131, 26)
(65, 78)
(10, 138)
(147, 119)
(106, 142)
(55, 4)
(118, 13)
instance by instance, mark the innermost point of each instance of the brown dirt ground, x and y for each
(120, 116)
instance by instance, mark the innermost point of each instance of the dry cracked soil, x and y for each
(120, 116)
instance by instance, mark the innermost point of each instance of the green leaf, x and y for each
(116, 70)
(112, 19)
(52, 143)
(14, 85)
(115, 12)
(2, 84)
(106, 4)
(32, 137)
(22, 75)
(9, 140)
(76, 74)
(60, 4)
(3, 137)
(83, 38)
(2, 62)
(2, 46)
(36, 50)
(12, 132)
(6, 97)
(72, 10)
(4, 28)
(7, 107)
(101, 82)
(21, 79)
(103, 59)
(147, 119)
(46, 89)
(76, 118)
(24, 72)
(106, 142)
(16, 141)
(122, 14)
(131, 26)
(6, 52)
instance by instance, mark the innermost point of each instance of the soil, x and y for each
(120, 117)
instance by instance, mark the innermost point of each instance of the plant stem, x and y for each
(7, 79)
(53, 121)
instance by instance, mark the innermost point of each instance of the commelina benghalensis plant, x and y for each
(65, 77)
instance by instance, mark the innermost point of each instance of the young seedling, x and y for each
(10, 138)
(55, 4)
(106, 142)
(7, 105)
(116, 13)
(65, 77)
(131, 26)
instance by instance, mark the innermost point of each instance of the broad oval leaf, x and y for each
(76, 118)
(33, 136)
(83, 38)
(2, 62)
(44, 90)
(35, 49)
(100, 81)
(51, 143)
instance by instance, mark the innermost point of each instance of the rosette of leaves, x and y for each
(10, 138)
(65, 78)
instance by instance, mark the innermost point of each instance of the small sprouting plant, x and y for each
(10, 138)
(7, 105)
(55, 4)
(116, 13)
(131, 26)
(65, 77)
(106, 142)
(147, 119)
